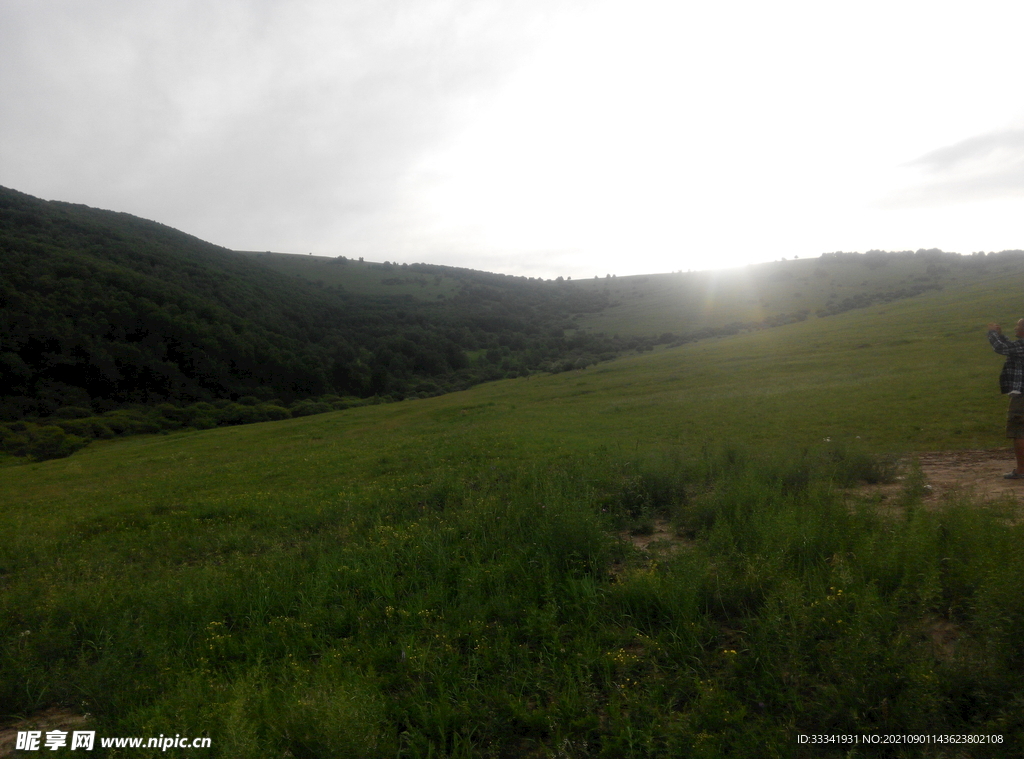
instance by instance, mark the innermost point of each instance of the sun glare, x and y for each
(654, 141)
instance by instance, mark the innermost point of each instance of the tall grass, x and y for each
(491, 611)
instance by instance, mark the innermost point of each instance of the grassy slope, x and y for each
(914, 375)
(679, 303)
(244, 530)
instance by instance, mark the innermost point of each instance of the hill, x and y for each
(114, 325)
(445, 576)
(682, 306)
(421, 282)
(693, 304)
(102, 309)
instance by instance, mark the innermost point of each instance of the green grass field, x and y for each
(446, 577)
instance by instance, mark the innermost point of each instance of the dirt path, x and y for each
(976, 473)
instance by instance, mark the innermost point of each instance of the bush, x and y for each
(51, 442)
(275, 413)
(308, 408)
(92, 428)
(129, 422)
(14, 441)
(72, 412)
(172, 413)
(237, 414)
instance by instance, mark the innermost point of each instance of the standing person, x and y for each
(1011, 382)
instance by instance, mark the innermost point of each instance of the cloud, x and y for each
(973, 149)
(984, 167)
(623, 136)
(247, 123)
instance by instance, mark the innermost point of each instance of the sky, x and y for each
(531, 137)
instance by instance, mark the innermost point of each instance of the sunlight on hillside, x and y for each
(731, 288)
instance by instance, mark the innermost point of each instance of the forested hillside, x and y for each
(111, 324)
(102, 309)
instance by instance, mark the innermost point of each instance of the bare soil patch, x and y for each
(976, 473)
(662, 539)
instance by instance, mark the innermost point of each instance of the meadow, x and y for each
(454, 576)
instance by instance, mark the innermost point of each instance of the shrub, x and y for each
(274, 413)
(72, 412)
(51, 442)
(92, 428)
(173, 413)
(308, 408)
(129, 422)
(12, 441)
(237, 414)
(119, 423)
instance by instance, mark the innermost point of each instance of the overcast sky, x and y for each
(539, 137)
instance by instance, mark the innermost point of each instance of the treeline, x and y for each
(877, 258)
(71, 428)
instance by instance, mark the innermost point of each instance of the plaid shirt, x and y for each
(1011, 379)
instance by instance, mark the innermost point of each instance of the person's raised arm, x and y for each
(1003, 345)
